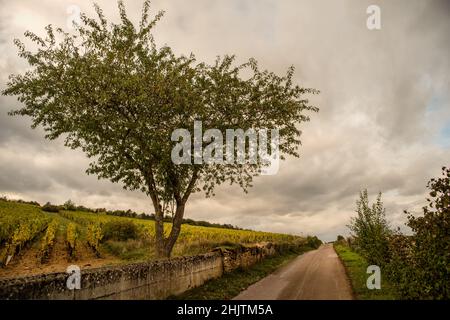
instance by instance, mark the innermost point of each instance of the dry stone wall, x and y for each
(147, 280)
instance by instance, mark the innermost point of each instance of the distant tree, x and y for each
(110, 91)
(313, 242)
(341, 240)
(50, 208)
(69, 205)
(371, 230)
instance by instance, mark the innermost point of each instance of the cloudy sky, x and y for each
(384, 120)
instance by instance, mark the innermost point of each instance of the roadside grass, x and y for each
(231, 284)
(356, 267)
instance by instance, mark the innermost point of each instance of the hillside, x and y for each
(34, 241)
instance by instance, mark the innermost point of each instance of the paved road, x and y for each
(315, 275)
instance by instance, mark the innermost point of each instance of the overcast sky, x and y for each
(384, 120)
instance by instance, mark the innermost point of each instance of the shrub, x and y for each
(313, 242)
(350, 241)
(83, 208)
(430, 254)
(48, 207)
(120, 230)
(69, 205)
(400, 270)
(370, 230)
(341, 240)
(34, 203)
(418, 265)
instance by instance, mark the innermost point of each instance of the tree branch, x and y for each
(191, 185)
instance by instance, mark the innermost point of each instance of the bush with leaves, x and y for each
(313, 242)
(427, 270)
(69, 205)
(48, 207)
(120, 230)
(371, 230)
(341, 240)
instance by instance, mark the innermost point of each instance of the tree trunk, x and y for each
(176, 229)
(164, 245)
(159, 231)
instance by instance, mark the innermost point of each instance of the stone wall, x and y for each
(244, 257)
(148, 280)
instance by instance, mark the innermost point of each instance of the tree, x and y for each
(430, 252)
(110, 91)
(371, 230)
(69, 205)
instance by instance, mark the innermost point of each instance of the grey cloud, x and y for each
(376, 128)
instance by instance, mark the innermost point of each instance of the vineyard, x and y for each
(35, 239)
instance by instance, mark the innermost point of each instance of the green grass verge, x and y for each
(356, 267)
(231, 284)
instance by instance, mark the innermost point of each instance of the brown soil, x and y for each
(28, 263)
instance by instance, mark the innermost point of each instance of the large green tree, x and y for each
(109, 90)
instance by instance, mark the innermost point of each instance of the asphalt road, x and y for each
(315, 275)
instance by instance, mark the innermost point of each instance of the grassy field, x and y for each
(356, 267)
(35, 241)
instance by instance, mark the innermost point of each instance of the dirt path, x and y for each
(315, 275)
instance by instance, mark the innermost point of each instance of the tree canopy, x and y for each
(109, 90)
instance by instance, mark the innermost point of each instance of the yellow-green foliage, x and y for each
(146, 231)
(48, 240)
(72, 238)
(188, 233)
(13, 215)
(19, 224)
(94, 236)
